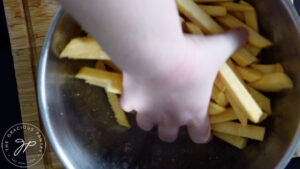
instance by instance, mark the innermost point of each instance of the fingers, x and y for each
(144, 121)
(200, 131)
(217, 48)
(167, 134)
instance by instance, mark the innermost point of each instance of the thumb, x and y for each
(220, 47)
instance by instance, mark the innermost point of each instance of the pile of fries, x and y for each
(236, 98)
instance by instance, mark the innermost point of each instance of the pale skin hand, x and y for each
(167, 76)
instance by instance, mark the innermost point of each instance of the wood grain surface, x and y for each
(28, 22)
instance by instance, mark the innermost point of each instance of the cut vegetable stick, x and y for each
(213, 10)
(219, 84)
(214, 109)
(273, 82)
(250, 17)
(192, 28)
(233, 128)
(243, 58)
(239, 94)
(100, 65)
(254, 38)
(198, 16)
(213, 0)
(235, 7)
(236, 141)
(239, 15)
(219, 97)
(233, 68)
(118, 112)
(270, 68)
(252, 49)
(113, 80)
(248, 74)
(98, 83)
(110, 64)
(181, 19)
(240, 113)
(228, 115)
(263, 117)
(83, 48)
(263, 101)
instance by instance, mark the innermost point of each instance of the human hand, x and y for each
(179, 95)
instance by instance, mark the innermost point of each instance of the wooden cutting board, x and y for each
(28, 22)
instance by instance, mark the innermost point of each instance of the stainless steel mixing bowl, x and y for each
(81, 128)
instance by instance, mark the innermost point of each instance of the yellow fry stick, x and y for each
(236, 141)
(233, 128)
(238, 94)
(219, 84)
(100, 65)
(263, 117)
(118, 112)
(254, 38)
(228, 115)
(239, 15)
(84, 48)
(250, 17)
(243, 58)
(248, 74)
(263, 101)
(273, 82)
(252, 49)
(214, 109)
(219, 97)
(235, 7)
(240, 113)
(113, 80)
(192, 28)
(213, 10)
(181, 19)
(198, 16)
(268, 68)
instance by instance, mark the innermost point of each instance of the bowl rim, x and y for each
(44, 110)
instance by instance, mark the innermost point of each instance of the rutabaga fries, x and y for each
(239, 94)
(118, 112)
(83, 48)
(233, 128)
(243, 58)
(198, 16)
(214, 10)
(239, 15)
(219, 84)
(248, 74)
(181, 19)
(250, 17)
(263, 101)
(254, 38)
(219, 97)
(240, 113)
(235, 7)
(192, 28)
(263, 117)
(228, 115)
(270, 68)
(214, 109)
(113, 80)
(273, 82)
(236, 141)
(252, 49)
(100, 65)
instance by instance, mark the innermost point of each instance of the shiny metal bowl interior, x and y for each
(81, 128)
